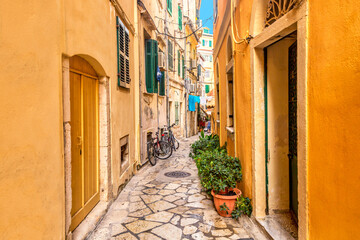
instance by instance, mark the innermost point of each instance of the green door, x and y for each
(293, 129)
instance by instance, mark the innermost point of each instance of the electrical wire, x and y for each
(166, 34)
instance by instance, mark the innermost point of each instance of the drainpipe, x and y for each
(167, 69)
(185, 83)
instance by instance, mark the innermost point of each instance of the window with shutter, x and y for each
(183, 64)
(151, 64)
(180, 18)
(207, 88)
(169, 6)
(170, 55)
(162, 85)
(177, 113)
(155, 54)
(123, 58)
(178, 57)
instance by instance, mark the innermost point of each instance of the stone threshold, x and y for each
(273, 229)
(89, 224)
(254, 228)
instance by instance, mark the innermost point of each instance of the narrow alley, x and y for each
(166, 202)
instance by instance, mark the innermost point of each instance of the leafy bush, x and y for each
(205, 143)
(242, 206)
(217, 170)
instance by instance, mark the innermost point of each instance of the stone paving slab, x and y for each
(153, 206)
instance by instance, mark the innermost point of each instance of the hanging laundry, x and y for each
(203, 100)
(192, 101)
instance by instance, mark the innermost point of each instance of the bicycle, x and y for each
(169, 137)
(151, 152)
(162, 149)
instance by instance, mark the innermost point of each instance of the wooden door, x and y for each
(84, 139)
(293, 129)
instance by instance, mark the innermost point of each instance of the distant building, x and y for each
(205, 49)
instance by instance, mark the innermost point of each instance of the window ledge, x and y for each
(230, 130)
(218, 121)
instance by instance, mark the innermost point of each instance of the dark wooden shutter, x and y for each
(149, 66)
(162, 85)
(155, 54)
(123, 61)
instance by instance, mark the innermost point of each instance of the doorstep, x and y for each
(273, 228)
(90, 222)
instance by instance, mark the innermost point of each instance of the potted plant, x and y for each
(219, 174)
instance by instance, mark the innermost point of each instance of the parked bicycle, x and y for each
(169, 137)
(157, 148)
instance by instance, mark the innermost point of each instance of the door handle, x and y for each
(79, 141)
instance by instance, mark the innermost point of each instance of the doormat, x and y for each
(177, 174)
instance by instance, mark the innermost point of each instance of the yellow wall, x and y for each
(31, 172)
(34, 36)
(334, 114)
(242, 88)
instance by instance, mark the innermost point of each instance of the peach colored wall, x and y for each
(34, 36)
(334, 116)
(31, 149)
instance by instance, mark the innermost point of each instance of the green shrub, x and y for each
(217, 170)
(205, 143)
(242, 206)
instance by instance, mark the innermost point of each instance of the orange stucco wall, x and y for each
(242, 88)
(333, 120)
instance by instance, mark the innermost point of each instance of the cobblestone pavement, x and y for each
(154, 206)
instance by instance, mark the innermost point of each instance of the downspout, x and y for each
(185, 84)
(167, 69)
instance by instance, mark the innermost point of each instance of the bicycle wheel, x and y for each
(163, 150)
(176, 143)
(150, 153)
(165, 137)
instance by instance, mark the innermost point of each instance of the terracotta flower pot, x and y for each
(228, 200)
(225, 191)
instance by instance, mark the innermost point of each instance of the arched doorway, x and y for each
(84, 139)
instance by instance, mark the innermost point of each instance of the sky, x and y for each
(206, 11)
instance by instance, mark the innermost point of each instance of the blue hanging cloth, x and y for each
(192, 101)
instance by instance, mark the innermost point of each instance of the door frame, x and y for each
(295, 20)
(105, 183)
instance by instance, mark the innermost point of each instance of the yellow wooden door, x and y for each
(84, 140)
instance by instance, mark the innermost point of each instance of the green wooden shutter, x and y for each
(203, 42)
(176, 113)
(180, 18)
(178, 57)
(170, 55)
(183, 69)
(162, 85)
(169, 6)
(155, 54)
(207, 88)
(149, 65)
(210, 43)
